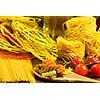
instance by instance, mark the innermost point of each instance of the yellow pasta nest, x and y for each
(93, 46)
(79, 28)
(83, 29)
(68, 49)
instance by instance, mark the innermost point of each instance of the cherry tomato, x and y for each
(81, 69)
(90, 59)
(75, 61)
(98, 58)
(95, 70)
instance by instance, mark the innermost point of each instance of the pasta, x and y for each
(5, 45)
(80, 27)
(93, 46)
(26, 20)
(22, 34)
(12, 70)
(53, 24)
(84, 29)
(34, 40)
(49, 74)
(49, 68)
(70, 48)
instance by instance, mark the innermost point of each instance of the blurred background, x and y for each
(53, 24)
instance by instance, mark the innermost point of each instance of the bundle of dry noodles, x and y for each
(93, 46)
(79, 28)
(68, 48)
(16, 70)
(80, 37)
(20, 40)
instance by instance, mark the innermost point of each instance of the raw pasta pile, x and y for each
(79, 30)
(34, 40)
(21, 37)
(12, 70)
(70, 48)
(25, 36)
(93, 46)
(80, 27)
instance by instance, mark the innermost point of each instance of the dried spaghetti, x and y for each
(12, 70)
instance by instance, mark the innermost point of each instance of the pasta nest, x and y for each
(69, 49)
(81, 27)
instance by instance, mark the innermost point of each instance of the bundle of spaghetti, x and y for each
(93, 46)
(7, 32)
(34, 40)
(79, 28)
(26, 20)
(12, 70)
(5, 45)
(67, 48)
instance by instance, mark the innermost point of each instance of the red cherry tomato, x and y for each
(98, 58)
(95, 70)
(90, 59)
(81, 69)
(75, 61)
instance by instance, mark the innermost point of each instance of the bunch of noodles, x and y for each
(15, 62)
(26, 20)
(16, 70)
(7, 36)
(20, 40)
(23, 36)
(93, 46)
(34, 40)
(83, 29)
(79, 28)
(68, 48)
(5, 45)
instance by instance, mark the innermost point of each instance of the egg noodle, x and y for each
(35, 41)
(93, 46)
(69, 48)
(29, 38)
(80, 37)
(79, 28)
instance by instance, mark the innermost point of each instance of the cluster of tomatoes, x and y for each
(89, 64)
